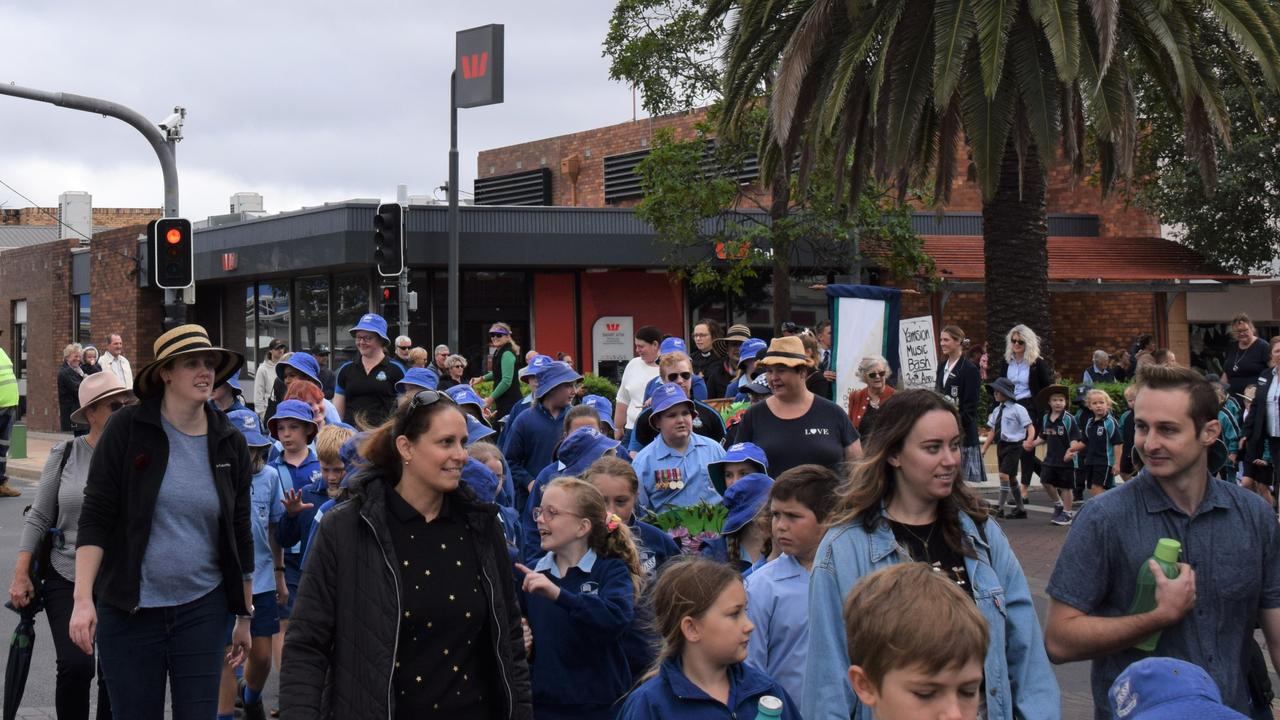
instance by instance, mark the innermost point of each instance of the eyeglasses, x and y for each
(1017, 341)
(551, 513)
(877, 374)
(702, 335)
(677, 376)
(116, 405)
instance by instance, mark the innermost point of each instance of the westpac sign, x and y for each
(478, 66)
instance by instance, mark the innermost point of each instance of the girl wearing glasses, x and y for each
(408, 606)
(53, 518)
(865, 402)
(1030, 373)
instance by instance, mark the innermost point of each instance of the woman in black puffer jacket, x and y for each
(407, 604)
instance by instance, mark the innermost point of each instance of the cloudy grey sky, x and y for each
(304, 101)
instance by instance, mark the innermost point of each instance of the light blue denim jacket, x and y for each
(1019, 680)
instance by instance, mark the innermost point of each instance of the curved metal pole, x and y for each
(164, 148)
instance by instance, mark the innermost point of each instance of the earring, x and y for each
(406, 462)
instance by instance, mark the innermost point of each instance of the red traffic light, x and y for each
(387, 294)
(173, 236)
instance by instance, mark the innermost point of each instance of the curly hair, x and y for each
(1031, 347)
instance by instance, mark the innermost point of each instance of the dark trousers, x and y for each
(1030, 463)
(7, 417)
(182, 645)
(75, 668)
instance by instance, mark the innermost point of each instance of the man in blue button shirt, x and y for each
(1229, 580)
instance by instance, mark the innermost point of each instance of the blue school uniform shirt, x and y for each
(578, 668)
(1013, 421)
(529, 448)
(640, 642)
(670, 694)
(778, 605)
(268, 510)
(672, 479)
(1101, 437)
(293, 531)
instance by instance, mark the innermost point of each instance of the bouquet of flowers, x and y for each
(691, 526)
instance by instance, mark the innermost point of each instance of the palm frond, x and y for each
(811, 36)
(1061, 24)
(986, 123)
(1037, 85)
(953, 29)
(993, 18)
(948, 145)
(910, 81)
(1252, 31)
(1105, 17)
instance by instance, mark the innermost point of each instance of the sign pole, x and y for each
(453, 280)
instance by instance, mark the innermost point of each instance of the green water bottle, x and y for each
(769, 708)
(1144, 600)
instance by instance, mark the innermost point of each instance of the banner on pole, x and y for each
(918, 359)
(864, 321)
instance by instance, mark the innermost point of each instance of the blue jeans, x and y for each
(181, 644)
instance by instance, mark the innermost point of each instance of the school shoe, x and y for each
(1016, 515)
(255, 711)
(6, 491)
(1060, 517)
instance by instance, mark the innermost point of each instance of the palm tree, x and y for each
(897, 88)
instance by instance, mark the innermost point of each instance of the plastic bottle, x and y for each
(769, 708)
(1144, 599)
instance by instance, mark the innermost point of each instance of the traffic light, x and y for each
(388, 239)
(390, 302)
(172, 259)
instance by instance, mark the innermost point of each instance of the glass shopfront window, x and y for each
(311, 325)
(81, 307)
(350, 301)
(273, 315)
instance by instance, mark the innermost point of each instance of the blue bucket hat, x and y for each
(419, 377)
(293, 410)
(665, 397)
(603, 407)
(465, 395)
(350, 455)
(554, 375)
(303, 363)
(749, 350)
(233, 382)
(536, 365)
(1163, 688)
(583, 447)
(476, 430)
(737, 452)
(744, 500)
(374, 323)
(480, 479)
(673, 344)
(246, 421)
(758, 386)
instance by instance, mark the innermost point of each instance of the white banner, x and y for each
(917, 357)
(859, 332)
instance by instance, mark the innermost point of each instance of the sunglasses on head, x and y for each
(673, 377)
(423, 398)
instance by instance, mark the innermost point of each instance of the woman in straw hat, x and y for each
(793, 425)
(165, 546)
(56, 512)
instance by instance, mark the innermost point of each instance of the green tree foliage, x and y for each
(666, 50)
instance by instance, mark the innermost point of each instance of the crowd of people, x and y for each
(717, 540)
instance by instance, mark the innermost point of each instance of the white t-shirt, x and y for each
(634, 379)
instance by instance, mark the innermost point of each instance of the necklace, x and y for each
(923, 541)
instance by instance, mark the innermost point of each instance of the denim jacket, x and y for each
(1019, 680)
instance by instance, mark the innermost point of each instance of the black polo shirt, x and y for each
(372, 394)
(1058, 436)
(443, 661)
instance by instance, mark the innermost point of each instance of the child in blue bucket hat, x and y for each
(1163, 688)
(746, 367)
(468, 401)
(575, 453)
(304, 366)
(531, 439)
(743, 542)
(603, 408)
(529, 376)
(415, 380)
(740, 460)
(299, 469)
(673, 468)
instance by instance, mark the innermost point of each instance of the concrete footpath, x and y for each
(39, 445)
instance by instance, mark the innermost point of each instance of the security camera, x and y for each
(174, 121)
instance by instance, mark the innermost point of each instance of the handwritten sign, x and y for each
(918, 358)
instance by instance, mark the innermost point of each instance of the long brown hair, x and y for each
(379, 448)
(615, 543)
(686, 587)
(873, 480)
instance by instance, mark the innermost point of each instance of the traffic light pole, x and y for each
(453, 213)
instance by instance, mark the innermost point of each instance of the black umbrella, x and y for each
(20, 649)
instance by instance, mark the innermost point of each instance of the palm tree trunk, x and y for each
(1015, 248)
(779, 207)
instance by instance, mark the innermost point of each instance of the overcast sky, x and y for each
(302, 101)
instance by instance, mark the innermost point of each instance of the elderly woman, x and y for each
(165, 551)
(1030, 374)
(1100, 370)
(89, 360)
(56, 512)
(455, 367)
(69, 377)
(865, 402)
(418, 357)
(793, 425)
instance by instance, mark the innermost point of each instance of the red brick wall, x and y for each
(102, 217)
(117, 304)
(41, 275)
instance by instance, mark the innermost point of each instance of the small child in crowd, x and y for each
(1127, 430)
(333, 471)
(939, 645)
(582, 446)
(778, 592)
(745, 538)
(531, 440)
(702, 672)
(1059, 432)
(579, 599)
(673, 468)
(299, 468)
(1103, 444)
(740, 460)
(1012, 431)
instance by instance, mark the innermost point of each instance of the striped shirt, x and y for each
(61, 496)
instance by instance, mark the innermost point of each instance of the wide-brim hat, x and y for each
(604, 408)
(786, 351)
(737, 452)
(750, 350)
(482, 481)
(465, 395)
(1004, 386)
(246, 421)
(673, 344)
(536, 365)
(374, 323)
(583, 447)
(95, 387)
(553, 376)
(233, 382)
(735, 334)
(419, 377)
(304, 364)
(1164, 688)
(184, 340)
(1043, 397)
(665, 397)
(744, 500)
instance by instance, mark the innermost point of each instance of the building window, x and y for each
(311, 326)
(250, 329)
(350, 301)
(19, 316)
(82, 334)
(273, 314)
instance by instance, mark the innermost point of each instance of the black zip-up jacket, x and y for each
(340, 649)
(120, 498)
(962, 387)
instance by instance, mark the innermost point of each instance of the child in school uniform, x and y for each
(294, 427)
(531, 439)
(745, 539)
(579, 598)
(583, 445)
(1100, 459)
(1012, 431)
(778, 592)
(1059, 432)
(702, 671)
(673, 468)
(739, 461)
(1127, 429)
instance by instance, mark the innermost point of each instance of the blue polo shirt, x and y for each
(778, 605)
(1233, 544)
(268, 509)
(669, 478)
